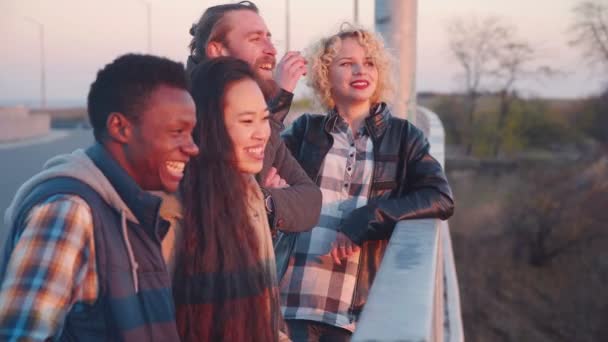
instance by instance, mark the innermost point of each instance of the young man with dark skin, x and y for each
(293, 201)
(82, 258)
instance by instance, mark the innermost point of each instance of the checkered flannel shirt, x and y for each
(51, 268)
(314, 287)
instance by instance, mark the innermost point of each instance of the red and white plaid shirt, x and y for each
(314, 287)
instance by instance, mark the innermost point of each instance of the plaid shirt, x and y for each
(314, 287)
(51, 269)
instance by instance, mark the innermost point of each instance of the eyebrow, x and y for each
(182, 121)
(344, 59)
(349, 58)
(260, 32)
(251, 112)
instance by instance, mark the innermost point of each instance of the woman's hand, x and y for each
(343, 248)
(273, 180)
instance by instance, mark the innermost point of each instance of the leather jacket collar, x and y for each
(375, 123)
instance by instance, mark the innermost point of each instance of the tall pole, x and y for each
(356, 11)
(42, 61)
(287, 26)
(148, 23)
(396, 20)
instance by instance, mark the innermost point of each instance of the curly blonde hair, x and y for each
(321, 54)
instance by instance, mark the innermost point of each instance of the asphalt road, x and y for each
(22, 160)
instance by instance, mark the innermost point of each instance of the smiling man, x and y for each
(293, 201)
(82, 260)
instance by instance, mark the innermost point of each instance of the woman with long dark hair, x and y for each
(225, 285)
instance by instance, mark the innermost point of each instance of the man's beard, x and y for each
(269, 86)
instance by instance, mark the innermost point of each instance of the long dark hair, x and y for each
(219, 240)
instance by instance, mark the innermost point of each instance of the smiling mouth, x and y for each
(267, 66)
(175, 168)
(359, 84)
(256, 152)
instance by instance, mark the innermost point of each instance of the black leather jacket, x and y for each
(407, 183)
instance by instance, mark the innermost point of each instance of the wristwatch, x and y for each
(268, 203)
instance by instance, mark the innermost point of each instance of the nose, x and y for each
(262, 131)
(190, 147)
(269, 48)
(357, 69)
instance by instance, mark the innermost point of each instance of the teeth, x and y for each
(359, 83)
(266, 66)
(256, 150)
(175, 166)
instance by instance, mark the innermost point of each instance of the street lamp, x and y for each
(148, 22)
(287, 24)
(42, 62)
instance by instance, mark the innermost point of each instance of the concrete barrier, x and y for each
(14, 112)
(406, 299)
(16, 123)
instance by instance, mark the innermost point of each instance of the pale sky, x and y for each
(83, 35)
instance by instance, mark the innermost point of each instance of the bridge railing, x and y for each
(415, 296)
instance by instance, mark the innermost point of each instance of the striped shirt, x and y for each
(314, 287)
(51, 269)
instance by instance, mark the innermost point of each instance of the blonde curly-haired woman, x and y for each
(373, 170)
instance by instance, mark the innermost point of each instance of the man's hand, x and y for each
(289, 70)
(273, 180)
(343, 248)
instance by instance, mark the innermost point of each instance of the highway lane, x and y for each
(19, 161)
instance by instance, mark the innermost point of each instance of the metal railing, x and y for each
(415, 295)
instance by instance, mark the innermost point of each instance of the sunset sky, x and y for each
(82, 36)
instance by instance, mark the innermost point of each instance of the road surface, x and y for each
(23, 159)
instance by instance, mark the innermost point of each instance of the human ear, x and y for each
(215, 49)
(119, 127)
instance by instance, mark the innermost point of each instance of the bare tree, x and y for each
(590, 31)
(493, 59)
(473, 44)
(516, 60)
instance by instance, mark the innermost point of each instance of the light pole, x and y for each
(396, 21)
(287, 24)
(356, 11)
(148, 23)
(42, 61)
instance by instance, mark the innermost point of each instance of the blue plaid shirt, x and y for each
(51, 268)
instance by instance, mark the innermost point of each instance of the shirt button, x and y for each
(346, 185)
(352, 154)
(349, 168)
